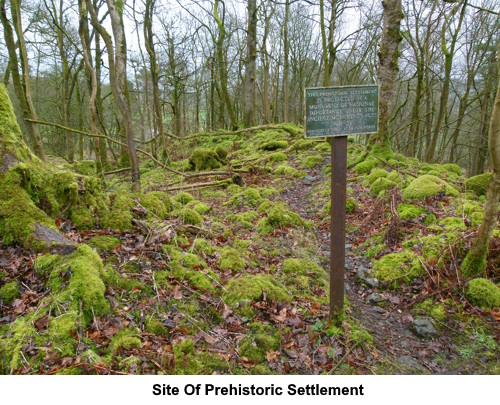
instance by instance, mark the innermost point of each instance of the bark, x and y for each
(286, 64)
(475, 261)
(388, 69)
(250, 65)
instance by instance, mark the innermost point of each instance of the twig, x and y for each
(343, 358)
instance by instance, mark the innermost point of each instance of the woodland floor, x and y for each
(194, 331)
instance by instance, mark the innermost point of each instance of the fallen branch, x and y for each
(286, 128)
(76, 131)
(125, 169)
(192, 186)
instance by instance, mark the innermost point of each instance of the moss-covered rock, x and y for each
(278, 216)
(375, 174)
(286, 170)
(250, 287)
(427, 186)
(259, 341)
(9, 291)
(157, 203)
(183, 198)
(483, 293)
(311, 161)
(410, 211)
(230, 259)
(453, 224)
(301, 267)
(205, 159)
(120, 215)
(85, 167)
(478, 184)
(277, 157)
(350, 206)
(396, 267)
(380, 185)
(126, 338)
(190, 216)
(103, 243)
(274, 145)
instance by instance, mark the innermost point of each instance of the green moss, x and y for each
(9, 291)
(478, 184)
(200, 207)
(125, 338)
(103, 243)
(85, 282)
(374, 175)
(120, 216)
(365, 166)
(85, 167)
(205, 159)
(70, 371)
(202, 246)
(45, 263)
(278, 217)
(252, 196)
(483, 293)
(250, 288)
(286, 170)
(222, 152)
(373, 251)
(157, 203)
(436, 311)
(183, 198)
(427, 186)
(474, 264)
(230, 259)
(301, 267)
(381, 184)
(436, 246)
(409, 211)
(274, 145)
(190, 216)
(453, 224)
(17, 334)
(113, 278)
(264, 206)
(476, 218)
(452, 168)
(311, 161)
(395, 267)
(323, 147)
(259, 341)
(83, 217)
(350, 205)
(277, 157)
(394, 176)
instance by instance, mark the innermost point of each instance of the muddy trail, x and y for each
(403, 341)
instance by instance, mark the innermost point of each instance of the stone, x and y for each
(308, 180)
(347, 288)
(361, 272)
(370, 282)
(424, 328)
(374, 298)
(409, 361)
(379, 310)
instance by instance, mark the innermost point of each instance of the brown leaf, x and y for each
(41, 323)
(227, 311)
(177, 292)
(271, 355)
(18, 305)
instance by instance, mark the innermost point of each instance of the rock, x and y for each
(308, 180)
(370, 282)
(347, 288)
(348, 246)
(409, 361)
(424, 328)
(374, 298)
(379, 310)
(361, 272)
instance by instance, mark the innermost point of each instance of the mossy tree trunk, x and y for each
(21, 83)
(448, 64)
(250, 66)
(388, 69)
(475, 261)
(24, 180)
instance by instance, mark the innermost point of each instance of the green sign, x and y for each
(338, 111)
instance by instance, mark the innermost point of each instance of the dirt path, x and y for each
(396, 348)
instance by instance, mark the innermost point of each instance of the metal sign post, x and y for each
(337, 112)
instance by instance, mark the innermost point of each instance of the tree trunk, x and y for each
(250, 68)
(448, 64)
(388, 69)
(475, 261)
(21, 85)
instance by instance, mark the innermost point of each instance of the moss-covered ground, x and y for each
(233, 278)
